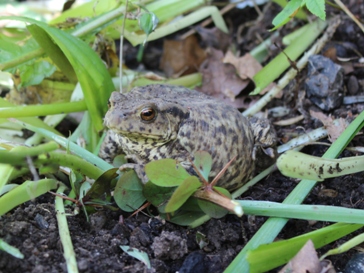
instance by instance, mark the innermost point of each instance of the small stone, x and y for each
(194, 263)
(353, 85)
(324, 82)
(355, 264)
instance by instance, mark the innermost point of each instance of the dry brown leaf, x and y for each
(333, 130)
(246, 66)
(305, 261)
(221, 81)
(181, 57)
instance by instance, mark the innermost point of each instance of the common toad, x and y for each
(164, 121)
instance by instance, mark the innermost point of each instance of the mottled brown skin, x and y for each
(185, 121)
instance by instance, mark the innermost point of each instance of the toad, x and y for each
(164, 121)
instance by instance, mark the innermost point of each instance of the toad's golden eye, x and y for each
(148, 114)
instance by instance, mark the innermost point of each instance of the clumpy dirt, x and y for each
(32, 227)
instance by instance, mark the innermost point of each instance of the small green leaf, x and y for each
(128, 193)
(285, 15)
(76, 180)
(201, 240)
(137, 254)
(85, 187)
(148, 22)
(10, 249)
(166, 173)
(317, 7)
(203, 162)
(182, 193)
(157, 195)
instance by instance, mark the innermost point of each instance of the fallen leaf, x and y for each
(181, 57)
(246, 66)
(305, 261)
(221, 81)
(333, 130)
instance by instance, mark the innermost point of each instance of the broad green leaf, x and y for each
(137, 254)
(156, 195)
(203, 163)
(182, 193)
(128, 193)
(95, 80)
(285, 15)
(102, 184)
(10, 250)
(317, 7)
(166, 173)
(53, 51)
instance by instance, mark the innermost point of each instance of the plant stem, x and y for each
(25, 192)
(64, 234)
(72, 161)
(22, 59)
(43, 110)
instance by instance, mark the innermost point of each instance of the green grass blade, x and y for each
(42, 110)
(269, 256)
(306, 212)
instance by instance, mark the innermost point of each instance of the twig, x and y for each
(348, 12)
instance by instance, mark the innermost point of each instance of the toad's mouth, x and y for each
(144, 137)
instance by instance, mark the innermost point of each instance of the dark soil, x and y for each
(32, 227)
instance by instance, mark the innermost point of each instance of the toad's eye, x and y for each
(148, 114)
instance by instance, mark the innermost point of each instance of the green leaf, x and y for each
(285, 15)
(269, 256)
(53, 51)
(10, 250)
(203, 163)
(76, 179)
(184, 218)
(128, 193)
(137, 254)
(95, 80)
(182, 193)
(156, 195)
(102, 184)
(166, 172)
(148, 22)
(317, 7)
